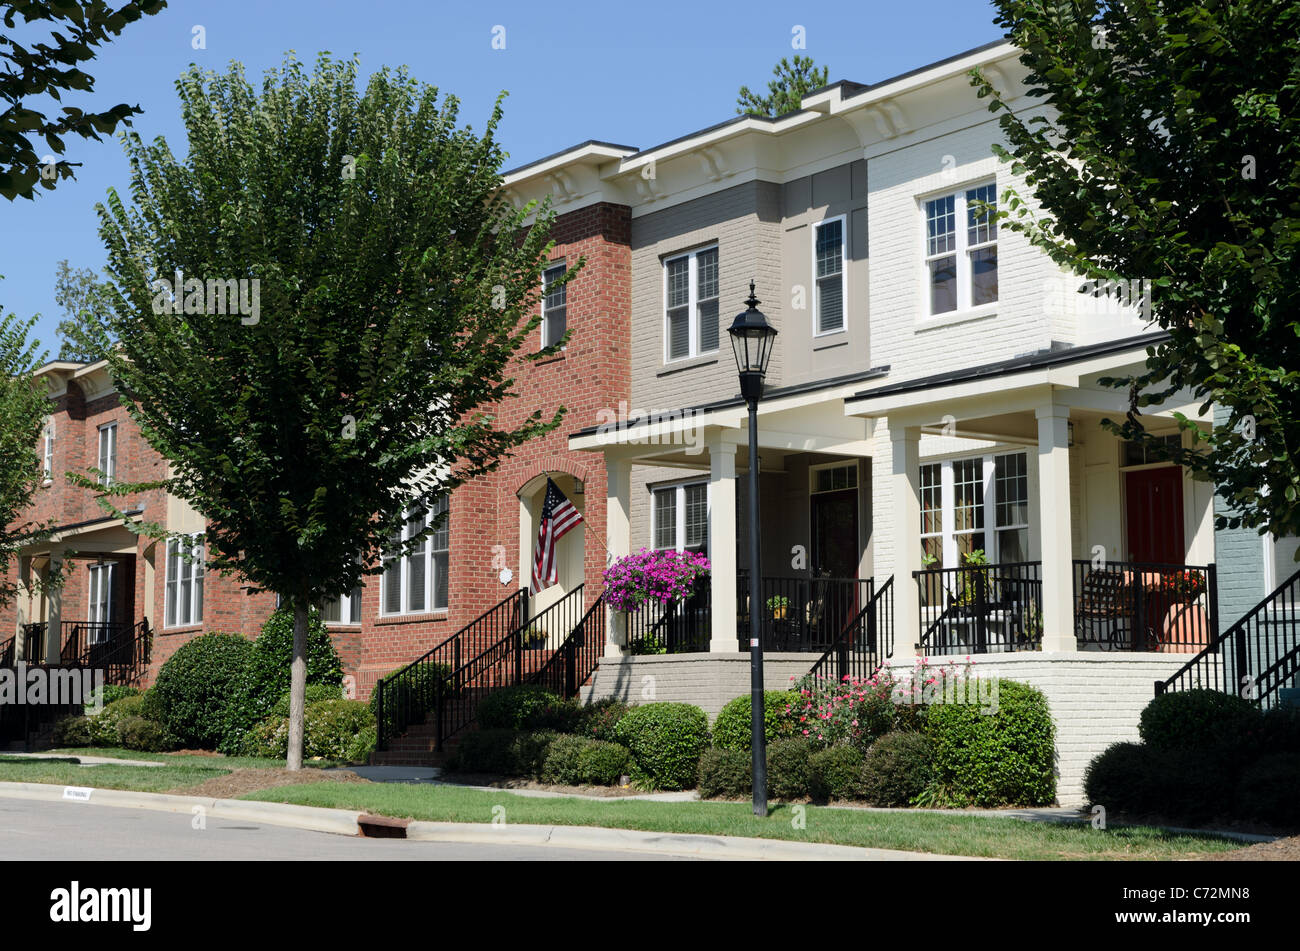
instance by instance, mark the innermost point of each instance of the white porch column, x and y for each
(905, 494)
(618, 532)
(722, 545)
(22, 604)
(54, 608)
(1054, 527)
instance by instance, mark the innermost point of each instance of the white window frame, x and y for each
(679, 501)
(426, 553)
(844, 277)
(108, 460)
(851, 465)
(564, 288)
(692, 305)
(962, 252)
(948, 505)
(176, 575)
(48, 455)
(346, 602)
(100, 578)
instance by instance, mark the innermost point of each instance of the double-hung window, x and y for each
(48, 464)
(554, 305)
(681, 517)
(979, 503)
(184, 582)
(416, 582)
(961, 250)
(345, 609)
(828, 263)
(107, 453)
(101, 600)
(691, 304)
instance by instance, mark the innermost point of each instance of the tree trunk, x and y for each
(297, 686)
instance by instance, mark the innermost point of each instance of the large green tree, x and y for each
(86, 301)
(356, 380)
(785, 93)
(1170, 151)
(28, 137)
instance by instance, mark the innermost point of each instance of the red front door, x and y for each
(1154, 499)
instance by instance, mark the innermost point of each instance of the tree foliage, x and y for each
(85, 299)
(794, 80)
(1170, 151)
(52, 68)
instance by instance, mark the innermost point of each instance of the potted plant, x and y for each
(777, 605)
(663, 576)
(1186, 627)
(534, 638)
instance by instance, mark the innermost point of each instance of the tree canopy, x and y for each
(85, 299)
(793, 81)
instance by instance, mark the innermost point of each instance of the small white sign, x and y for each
(753, 642)
(80, 793)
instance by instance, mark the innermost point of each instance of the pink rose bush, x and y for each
(663, 576)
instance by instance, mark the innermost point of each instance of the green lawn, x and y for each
(144, 778)
(224, 763)
(912, 831)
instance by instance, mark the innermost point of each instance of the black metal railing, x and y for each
(34, 642)
(1139, 606)
(407, 696)
(683, 627)
(801, 615)
(576, 658)
(1255, 657)
(864, 644)
(120, 648)
(8, 651)
(981, 609)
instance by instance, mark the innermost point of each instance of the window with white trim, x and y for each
(101, 599)
(829, 274)
(962, 499)
(48, 464)
(184, 581)
(416, 582)
(554, 305)
(107, 453)
(681, 517)
(961, 262)
(691, 304)
(345, 609)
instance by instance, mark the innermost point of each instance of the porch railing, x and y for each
(801, 615)
(1255, 657)
(981, 609)
(120, 648)
(577, 655)
(683, 627)
(7, 651)
(1140, 606)
(865, 642)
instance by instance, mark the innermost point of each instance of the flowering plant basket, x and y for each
(663, 576)
(1183, 584)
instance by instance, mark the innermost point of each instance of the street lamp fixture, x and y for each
(751, 341)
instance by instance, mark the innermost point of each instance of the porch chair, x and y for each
(1106, 599)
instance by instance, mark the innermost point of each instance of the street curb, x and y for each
(310, 818)
(632, 840)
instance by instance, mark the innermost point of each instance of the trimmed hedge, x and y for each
(733, 731)
(266, 675)
(788, 768)
(137, 733)
(527, 707)
(577, 761)
(1120, 779)
(834, 773)
(897, 768)
(502, 752)
(666, 741)
(996, 759)
(195, 686)
(1197, 719)
(724, 774)
(600, 718)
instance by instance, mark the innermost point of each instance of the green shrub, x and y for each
(563, 765)
(530, 751)
(1121, 779)
(362, 745)
(855, 710)
(600, 718)
(526, 706)
(267, 673)
(724, 773)
(71, 731)
(787, 768)
(996, 759)
(137, 733)
(409, 698)
(491, 751)
(604, 764)
(270, 739)
(733, 731)
(834, 773)
(151, 707)
(194, 687)
(100, 729)
(108, 693)
(897, 769)
(315, 693)
(332, 729)
(1197, 719)
(1278, 732)
(665, 740)
(1267, 791)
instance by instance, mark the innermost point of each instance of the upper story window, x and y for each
(828, 263)
(691, 304)
(48, 464)
(979, 503)
(345, 609)
(961, 262)
(554, 305)
(681, 517)
(416, 582)
(184, 584)
(107, 453)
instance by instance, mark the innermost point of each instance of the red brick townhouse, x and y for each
(484, 554)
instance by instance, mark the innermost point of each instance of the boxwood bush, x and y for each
(1003, 758)
(732, 729)
(194, 687)
(897, 768)
(1197, 719)
(834, 773)
(563, 760)
(787, 768)
(599, 718)
(502, 752)
(604, 764)
(666, 741)
(1121, 779)
(266, 675)
(724, 773)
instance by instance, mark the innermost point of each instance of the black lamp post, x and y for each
(751, 339)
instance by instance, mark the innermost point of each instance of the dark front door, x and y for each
(1154, 500)
(835, 553)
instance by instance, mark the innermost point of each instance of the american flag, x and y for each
(559, 517)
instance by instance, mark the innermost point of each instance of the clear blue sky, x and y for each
(631, 73)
